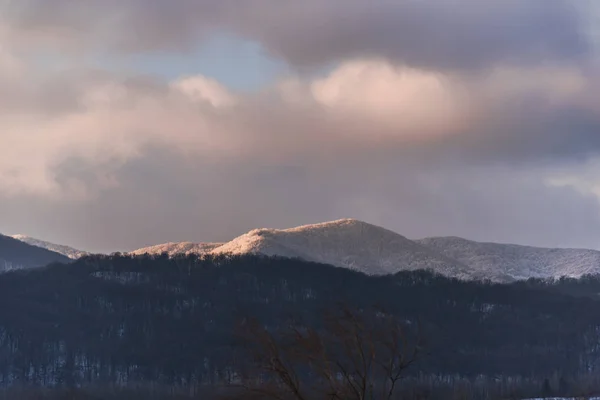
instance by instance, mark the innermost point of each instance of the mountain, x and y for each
(502, 262)
(364, 247)
(15, 254)
(57, 248)
(347, 243)
(344, 243)
(177, 248)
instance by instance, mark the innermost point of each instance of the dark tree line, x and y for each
(119, 320)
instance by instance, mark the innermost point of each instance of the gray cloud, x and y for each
(133, 162)
(467, 144)
(364, 111)
(165, 198)
(463, 34)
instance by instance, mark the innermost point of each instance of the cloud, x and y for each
(103, 121)
(418, 102)
(200, 88)
(485, 132)
(364, 110)
(464, 34)
(164, 198)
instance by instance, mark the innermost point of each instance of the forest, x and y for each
(190, 325)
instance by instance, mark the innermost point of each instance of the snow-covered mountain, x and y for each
(502, 262)
(357, 245)
(177, 248)
(344, 243)
(57, 248)
(353, 244)
(15, 254)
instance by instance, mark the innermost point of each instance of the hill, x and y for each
(501, 261)
(174, 248)
(15, 254)
(371, 249)
(347, 243)
(102, 320)
(57, 248)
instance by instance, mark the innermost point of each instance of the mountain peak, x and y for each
(343, 223)
(348, 243)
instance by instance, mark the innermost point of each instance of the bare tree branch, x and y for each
(353, 356)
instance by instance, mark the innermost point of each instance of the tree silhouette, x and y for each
(355, 356)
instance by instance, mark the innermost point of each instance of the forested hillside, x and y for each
(171, 321)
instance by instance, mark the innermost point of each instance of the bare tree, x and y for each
(355, 355)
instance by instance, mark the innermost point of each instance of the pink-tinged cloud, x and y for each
(467, 118)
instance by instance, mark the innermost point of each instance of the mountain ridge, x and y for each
(517, 261)
(173, 248)
(16, 254)
(347, 243)
(374, 250)
(371, 249)
(68, 251)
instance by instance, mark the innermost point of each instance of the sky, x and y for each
(136, 122)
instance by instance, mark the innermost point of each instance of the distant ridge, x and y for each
(177, 248)
(496, 260)
(57, 248)
(15, 254)
(358, 245)
(347, 243)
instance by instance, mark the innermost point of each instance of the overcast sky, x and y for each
(126, 123)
